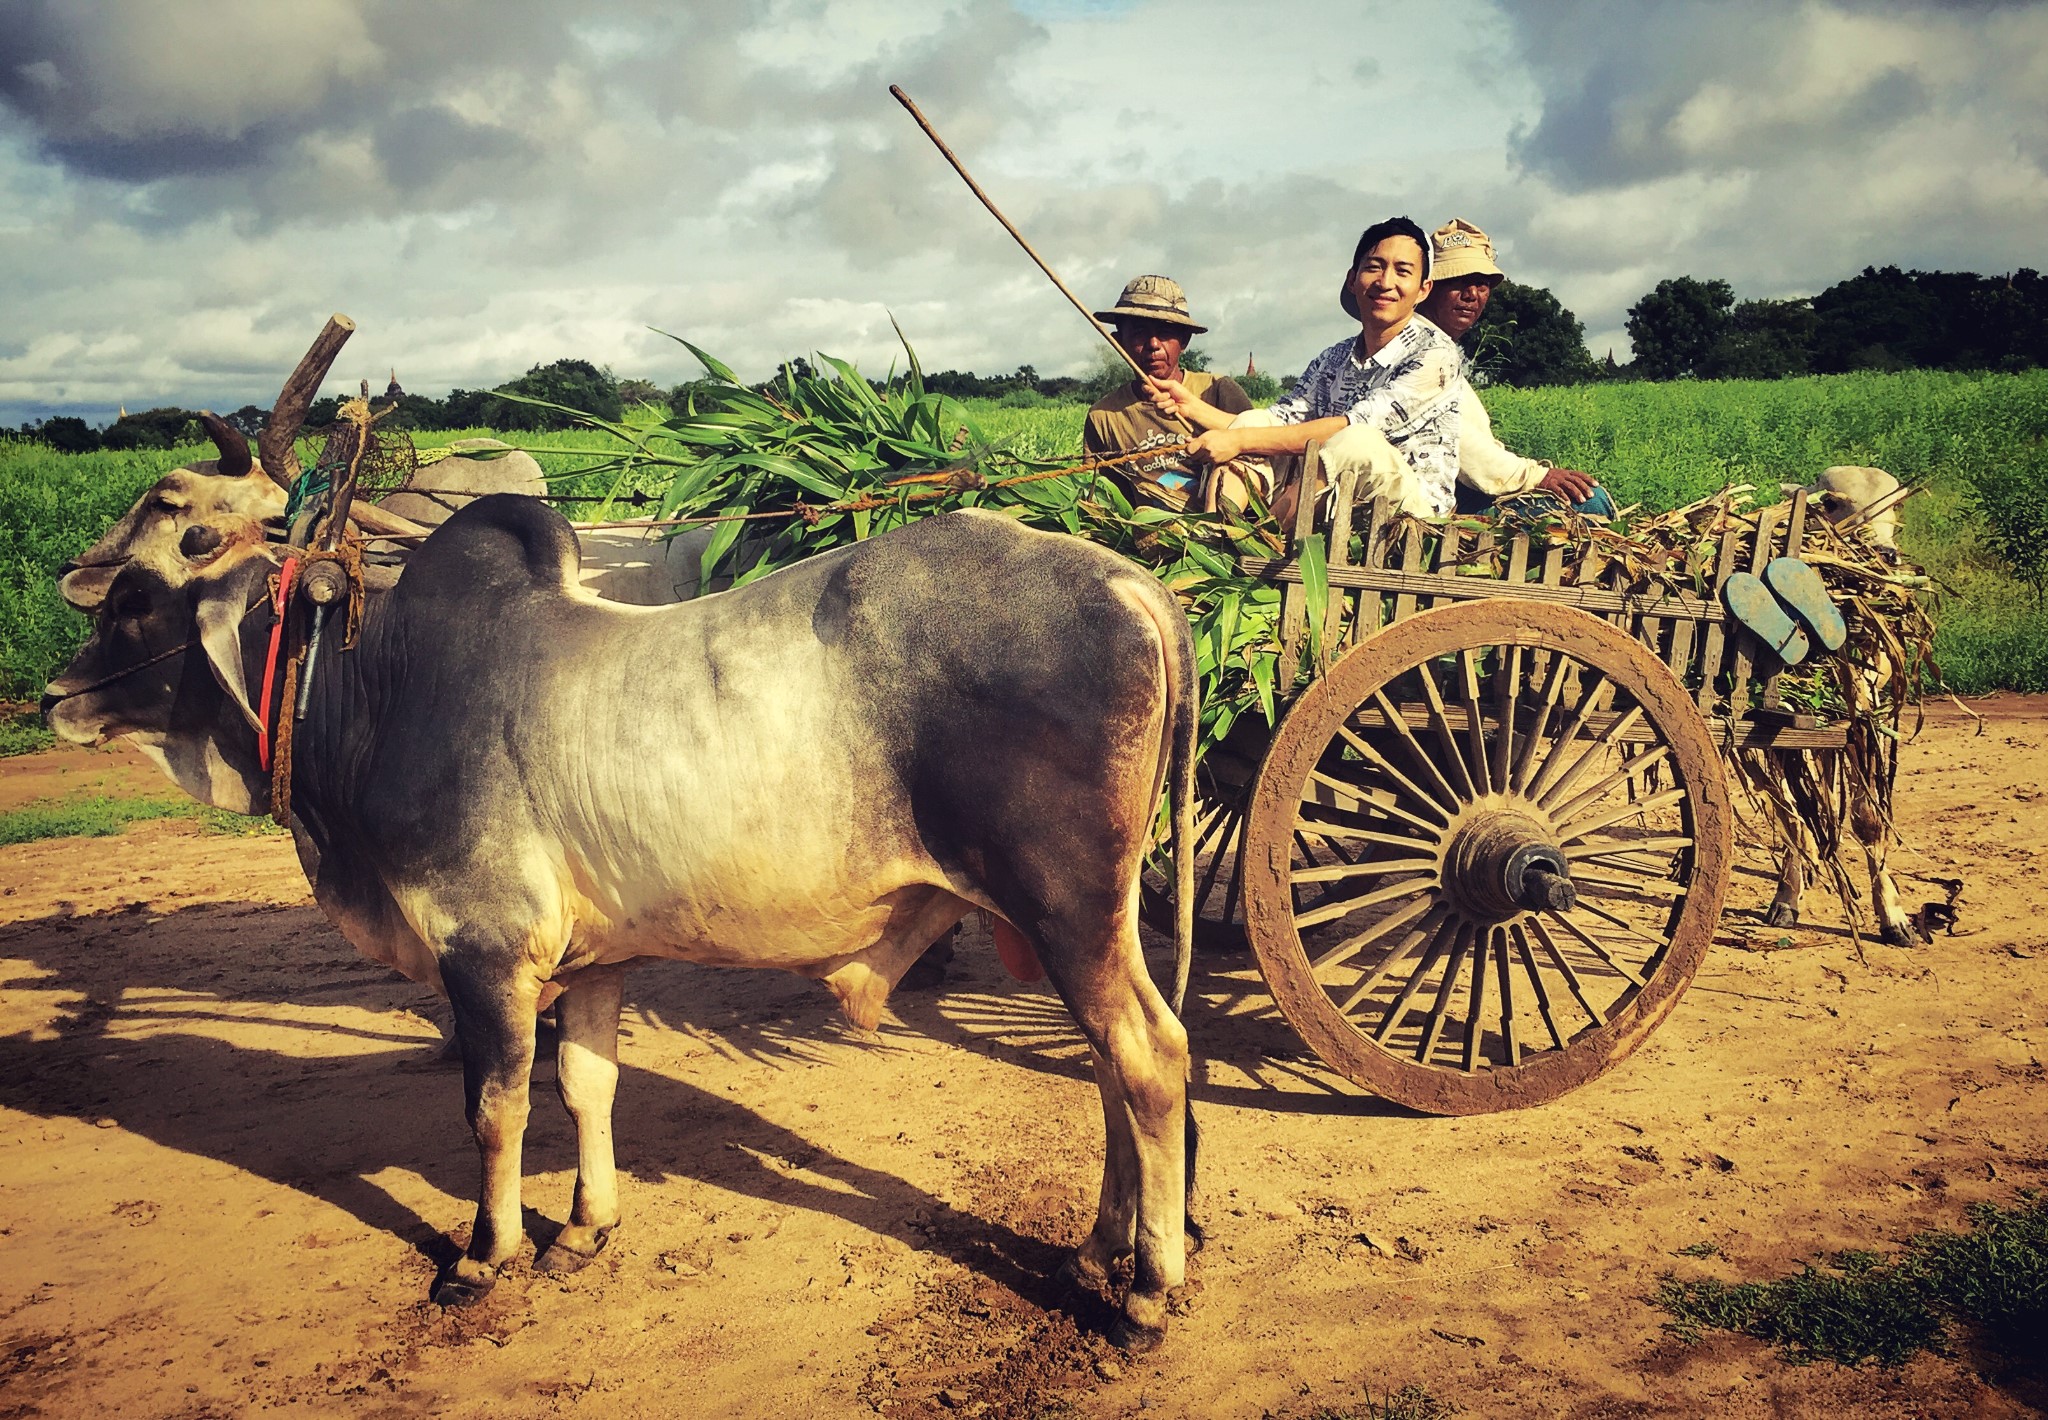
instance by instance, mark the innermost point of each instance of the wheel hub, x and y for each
(1502, 862)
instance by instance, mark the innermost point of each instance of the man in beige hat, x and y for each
(1466, 274)
(1153, 326)
(1383, 402)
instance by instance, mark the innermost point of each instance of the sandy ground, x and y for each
(228, 1167)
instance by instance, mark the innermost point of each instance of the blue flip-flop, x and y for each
(1752, 604)
(1800, 588)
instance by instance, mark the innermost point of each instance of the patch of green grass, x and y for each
(23, 732)
(100, 815)
(1856, 1306)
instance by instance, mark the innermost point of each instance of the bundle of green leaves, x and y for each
(811, 462)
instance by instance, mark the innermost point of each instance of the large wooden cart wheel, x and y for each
(1485, 854)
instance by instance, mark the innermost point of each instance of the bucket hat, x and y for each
(1153, 298)
(1458, 248)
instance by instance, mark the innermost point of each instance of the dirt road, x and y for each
(228, 1166)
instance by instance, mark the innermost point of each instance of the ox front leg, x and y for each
(587, 1077)
(494, 1023)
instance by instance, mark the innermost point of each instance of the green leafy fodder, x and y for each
(1856, 1306)
(819, 461)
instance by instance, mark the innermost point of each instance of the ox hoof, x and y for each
(1903, 934)
(1127, 1333)
(1082, 1274)
(573, 1250)
(462, 1283)
(1781, 916)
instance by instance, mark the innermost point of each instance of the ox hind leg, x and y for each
(1893, 924)
(495, 998)
(587, 1078)
(1784, 909)
(1140, 1053)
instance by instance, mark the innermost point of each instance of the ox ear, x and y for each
(223, 604)
(86, 588)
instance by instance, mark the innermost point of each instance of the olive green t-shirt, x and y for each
(1124, 421)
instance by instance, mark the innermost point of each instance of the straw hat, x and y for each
(1153, 298)
(1460, 249)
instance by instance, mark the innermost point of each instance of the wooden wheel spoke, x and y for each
(1598, 948)
(1331, 911)
(1351, 797)
(1448, 796)
(1417, 935)
(1571, 977)
(1510, 702)
(1553, 688)
(1542, 993)
(1572, 832)
(1398, 1010)
(1590, 699)
(1322, 828)
(1447, 738)
(1434, 1026)
(1370, 867)
(1220, 855)
(1608, 847)
(1631, 769)
(1352, 946)
(1621, 725)
(1475, 1016)
(1372, 756)
(1639, 883)
(1475, 731)
(1509, 1039)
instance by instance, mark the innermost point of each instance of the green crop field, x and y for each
(1978, 444)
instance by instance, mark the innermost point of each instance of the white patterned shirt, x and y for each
(1408, 389)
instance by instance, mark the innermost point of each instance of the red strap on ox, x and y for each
(284, 589)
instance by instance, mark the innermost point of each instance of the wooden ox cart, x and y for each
(1484, 851)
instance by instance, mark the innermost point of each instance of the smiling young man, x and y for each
(1153, 325)
(1383, 402)
(1466, 272)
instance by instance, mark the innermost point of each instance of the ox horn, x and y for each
(274, 445)
(232, 443)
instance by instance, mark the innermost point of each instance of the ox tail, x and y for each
(1183, 717)
(1183, 714)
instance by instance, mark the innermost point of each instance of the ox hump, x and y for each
(502, 543)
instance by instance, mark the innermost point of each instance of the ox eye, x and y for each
(132, 606)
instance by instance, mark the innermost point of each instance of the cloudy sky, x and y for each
(187, 189)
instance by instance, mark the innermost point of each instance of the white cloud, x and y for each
(484, 184)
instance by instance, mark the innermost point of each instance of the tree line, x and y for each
(1687, 328)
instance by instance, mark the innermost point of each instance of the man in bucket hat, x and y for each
(1153, 326)
(1466, 272)
(1384, 402)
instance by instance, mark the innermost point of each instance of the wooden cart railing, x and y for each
(1409, 566)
